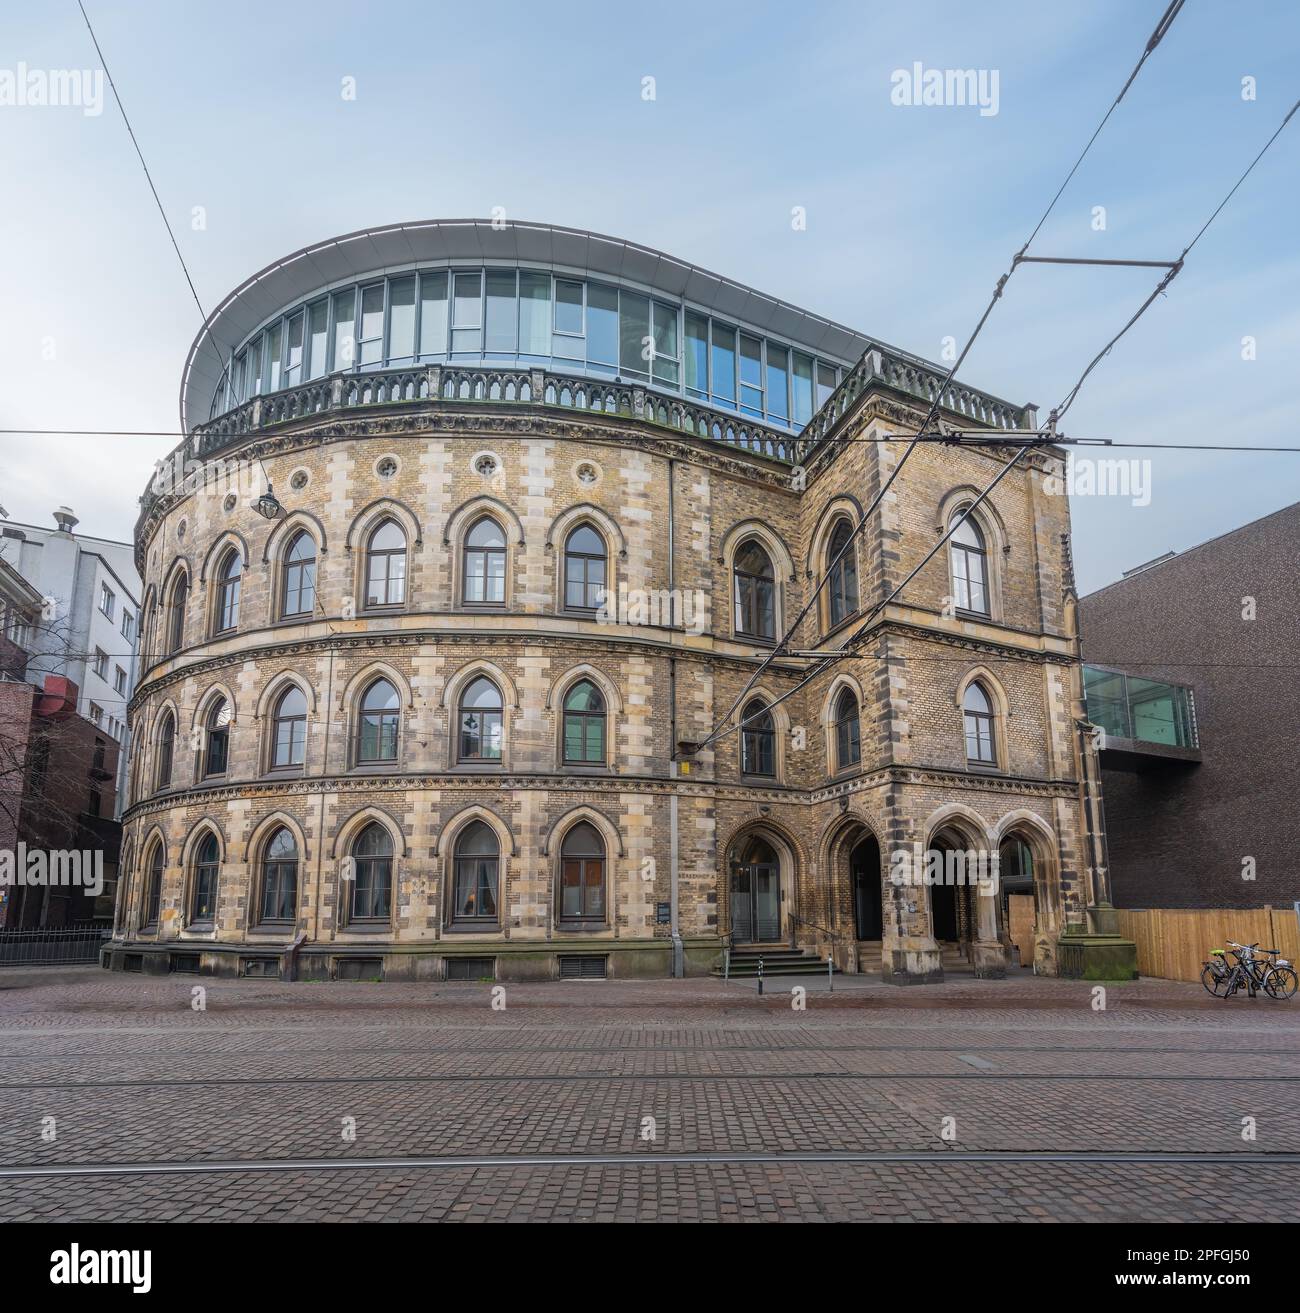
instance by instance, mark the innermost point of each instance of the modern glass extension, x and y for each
(522, 318)
(1144, 710)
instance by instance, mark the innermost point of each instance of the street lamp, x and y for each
(267, 505)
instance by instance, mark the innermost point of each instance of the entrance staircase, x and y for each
(778, 960)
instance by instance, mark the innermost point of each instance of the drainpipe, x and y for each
(674, 930)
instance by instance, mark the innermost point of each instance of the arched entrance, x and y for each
(755, 892)
(953, 913)
(864, 872)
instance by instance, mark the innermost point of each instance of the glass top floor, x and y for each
(1143, 710)
(516, 317)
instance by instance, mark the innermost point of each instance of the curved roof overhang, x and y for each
(571, 250)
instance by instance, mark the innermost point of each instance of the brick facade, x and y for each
(672, 510)
(1224, 619)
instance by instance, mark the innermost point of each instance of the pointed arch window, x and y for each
(229, 579)
(166, 749)
(386, 566)
(299, 576)
(755, 592)
(582, 876)
(848, 731)
(758, 740)
(216, 747)
(969, 566)
(485, 564)
(480, 722)
(477, 872)
(279, 898)
(977, 714)
(585, 562)
(584, 725)
(153, 886)
(372, 875)
(207, 867)
(176, 613)
(378, 723)
(1015, 865)
(842, 585)
(289, 729)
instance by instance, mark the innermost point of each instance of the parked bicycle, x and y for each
(1249, 971)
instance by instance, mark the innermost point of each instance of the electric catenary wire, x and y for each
(861, 635)
(1156, 36)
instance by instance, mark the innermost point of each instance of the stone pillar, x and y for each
(990, 955)
(909, 954)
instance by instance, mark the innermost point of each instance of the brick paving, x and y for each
(132, 1074)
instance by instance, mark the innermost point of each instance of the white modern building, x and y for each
(90, 623)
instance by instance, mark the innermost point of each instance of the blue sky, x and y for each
(912, 212)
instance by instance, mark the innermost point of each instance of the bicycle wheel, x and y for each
(1215, 981)
(1280, 982)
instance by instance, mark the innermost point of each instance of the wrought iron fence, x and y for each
(52, 945)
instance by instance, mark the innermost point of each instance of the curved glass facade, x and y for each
(524, 317)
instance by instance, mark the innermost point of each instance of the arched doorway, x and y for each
(1019, 895)
(755, 892)
(864, 871)
(952, 899)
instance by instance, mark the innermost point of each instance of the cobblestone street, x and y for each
(974, 1100)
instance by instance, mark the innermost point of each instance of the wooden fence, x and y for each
(1174, 944)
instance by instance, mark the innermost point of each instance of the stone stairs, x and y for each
(778, 960)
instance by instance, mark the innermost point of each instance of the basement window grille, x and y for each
(359, 968)
(584, 968)
(471, 968)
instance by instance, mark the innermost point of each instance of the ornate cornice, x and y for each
(444, 782)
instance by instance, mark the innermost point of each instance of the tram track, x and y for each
(930, 1157)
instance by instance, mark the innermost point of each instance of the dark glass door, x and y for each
(755, 903)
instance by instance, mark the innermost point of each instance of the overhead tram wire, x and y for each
(1161, 28)
(203, 315)
(855, 642)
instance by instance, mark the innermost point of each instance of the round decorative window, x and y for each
(181, 528)
(299, 479)
(587, 474)
(386, 466)
(230, 502)
(486, 464)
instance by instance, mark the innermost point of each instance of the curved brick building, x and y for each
(542, 500)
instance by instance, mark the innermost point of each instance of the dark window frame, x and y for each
(848, 731)
(380, 725)
(482, 871)
(206, 880)
(485, 555)
(754, 595)
(758, 742)
(983, 726)
(275, 874)
(586, 561)
(581, 863)
(387, 556)
(584, 719)
(370, 899)
(229, 588)
(298, 578)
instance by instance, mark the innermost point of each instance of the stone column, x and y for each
(990, 956)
